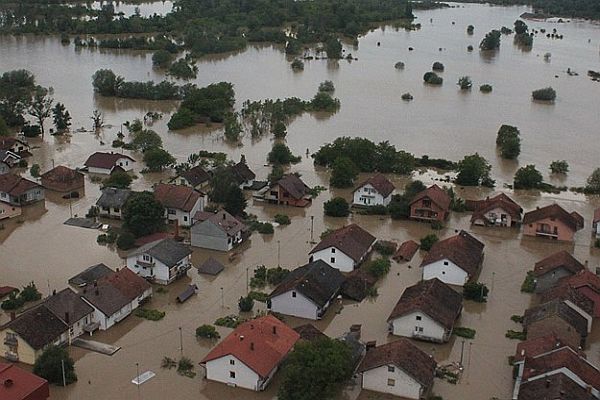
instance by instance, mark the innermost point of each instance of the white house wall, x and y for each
(379, 380)
(446, 271)
(220, 368)
(367, 195)
(408, 325)
(335, 258)
(299, 306)
(184, 218)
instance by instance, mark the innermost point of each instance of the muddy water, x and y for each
(441, 122)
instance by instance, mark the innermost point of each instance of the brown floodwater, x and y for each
(441, 122)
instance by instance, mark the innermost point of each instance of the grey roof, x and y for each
(68, 306)
(222, 220)
(167, 251)
(187, 293)
(105, 297)
(210, 267)
(90, 274)
(316, 280)
(38, 326)
(113, 197)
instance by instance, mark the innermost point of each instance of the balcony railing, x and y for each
(545, 232)
(10, 341)
(10, 356)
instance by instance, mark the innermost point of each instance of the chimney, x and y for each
(117, 269)
(8, 383)
(67, 319)
(224, 216)
(274, 330)
(13, 315)
(241, 338)
(355, 330)
(371, 345)
(252, 346)
(548, 383)
(53, 292)
(243, 159)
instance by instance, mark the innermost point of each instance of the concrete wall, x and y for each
(9, 211)
(24, 351)
(335, 258)
(160, 272)
(298, 306)
(219, 370)
(446, 271)
(184, 218)
(398, 382)
(207, 235)
(425, 328)
(564, 232)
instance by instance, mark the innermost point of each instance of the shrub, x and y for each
(374, 210)
(485, 88)
(438, 66)
(150, 314)
(545, 94)
(528, 285)
(407, 96)
(229, 321)
(326, 86)
(528, 177)
(168, 363)
(185, 367)
(470, 29)
(432, 78)
(385, 248)
(282, 219)
(51, 364)
(469, 48)
(337, 207)
(265, 228)
(511, 334)
(399, 65)
(467, 333)
(258, 296)
(378, 268)
(126, 241)
(246, 304)
(491, 41)
(465, 83)
(297, 65)
(517, 318)
(35, 170)
(475, 291)
(207, 331)
(428, 241)
(559, 167)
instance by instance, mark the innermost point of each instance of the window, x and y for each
(232, 374)
(185, 218)
(146, 257)
(332, 259)
(171, 211)
(391, 382)
(418, 329)
(419, 317)
(333, 249)
(293, 294)
(231, 362)
(116, 210)
(426, 203)
(391, 368)
(445, 262)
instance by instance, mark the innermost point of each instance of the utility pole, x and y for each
(180, 342)
(312, 226)
(279, 253)
(247, 280)
(462, 349)
(493, 275)
(137, 367)
(62, 366)
(222, 299)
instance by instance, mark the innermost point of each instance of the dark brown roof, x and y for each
(196, 175)
(537, 346)
(177, 196)
(62, 174)
(582, 278)
(553, 387)
(432, 297)
(357, 284)
(351, 240)
(222, 219)
(463, 250)
(68, 306)
(127, 282)
(309, 333)
(294, 186)
(404, 355)
(560, 309)
(38, 326)
(501, 201)
(406, 251)
(210, 267)
(562, 259)
(436, 194)
(16, 185)
(105, 160)
(90, 274)
(241, 172)
(573, 220)
(567, 293)
(382, 184)
(6, 143)
(105, 297)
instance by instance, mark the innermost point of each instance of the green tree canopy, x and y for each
(474, 170)
(528, 177)
(593, 182)
(337, 207)
(157, 159)
(118, 179)
(491, 41)
(509, 141)
(282, 155)
(143, 214)
(343, 173)
(49, 366)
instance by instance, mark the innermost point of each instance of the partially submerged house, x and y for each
(19, 384)
(307, 291)
(211, 267)
(432, 204)
(73, 311)
(217, 231)
(8, 211)
(111, 202)
(62, 179)
(399, 368)
(455, 260)
(90, 275)
(550, 270)
(587, 284)
(250, 356)
(572, 298)
(107, 163)
(181, 203)
(552, 222)
(499, 210)
(555, 386)
(16, 146)
(345, 248)
(290, 190)
(556, 317)
(375, 191)
(406, 251)
(196, 177)
(161, 261)
(8, 160)
(242, 174)
(18, 191)
(426, 311)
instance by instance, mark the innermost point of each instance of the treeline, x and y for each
(158, 42)
(559, 8)
(204, 105)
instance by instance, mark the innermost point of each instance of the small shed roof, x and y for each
(211, 267)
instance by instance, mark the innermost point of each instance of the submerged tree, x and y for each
(41, 105)
(528, 177)
(61, 117)
(491, 41)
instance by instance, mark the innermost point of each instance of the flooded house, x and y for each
(217, 231)
(62, 179)
(556, 317)
(250, 356)
(572, 298)
(16, 146)
(196, 177)
(181, 203)
(552, 222)
(18, 191)
(499, 210)
(426, 311)
(455, 260)
(345, 248)
(242, 174)
(8, 160)
(290, 190)
(90, 275)
(375, 191)
(406, 251)
(161, 261)
(8, 211)
(307, 291)
(19, 384)
(72, 310)
(550, 270)
(111, 202)
(596, 223)
(107, 163)
(432, 204)
(398, 368)
(587, 284)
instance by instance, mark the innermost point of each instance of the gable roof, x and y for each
(241, 172)
(167, 251)
(90, 274)
(351, 240)
(436, 194)
(556, 308)
(537, 346)
(567, 293)
(501, 201)
(38, 326)
(572, 220)
(432, 297)
(463, 250)
(317, 280)
(195, 176)
(113, 197)
(62, 174)
(105, 160)
(310, 333)
(223, 220)
(16, 185)
(406, 251)
(105, 297)
(553, 387)
(6, 143)
(210, 267)
(177, 196)
(261, 344)
(561, 259)
(294, 186)
(68, 306)
(404, 355)
(581, 279)
(18, 384)
(127, 282)
(380, 183)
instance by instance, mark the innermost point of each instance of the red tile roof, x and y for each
(463, 250)
(582, 278)
(501, 201)
(294, 186)
(436, 194)
(567, 293)
(15, 185)
(62, 174)
(351, 240)
(105, 160)
(127, 282)
(561, 259)
(406, 251)
(177, 196)
(18, 384)
(573, 220)
(380, 183)
(553, 387)
(537, 346)
(261, 344)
